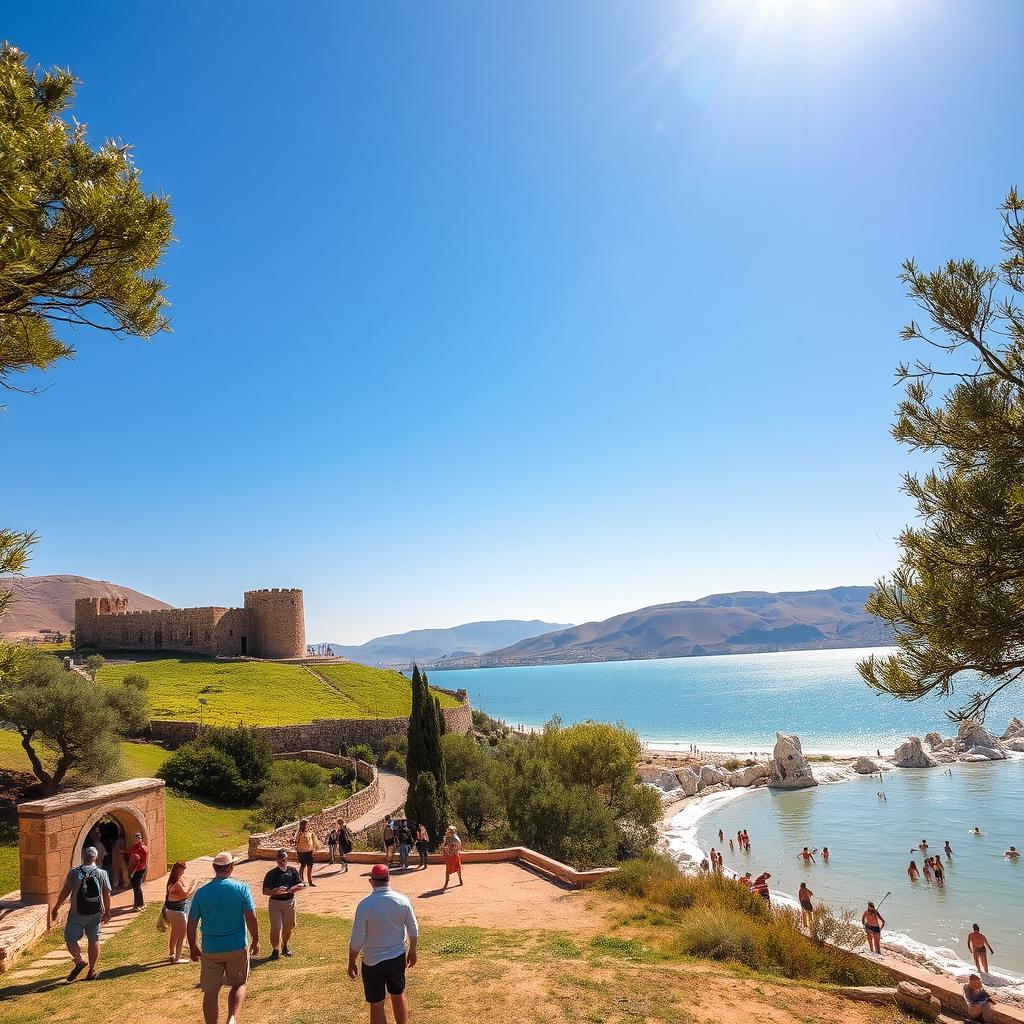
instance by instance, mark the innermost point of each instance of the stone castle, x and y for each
(270, 625)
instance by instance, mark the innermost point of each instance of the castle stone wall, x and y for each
(328, 735)
(271, 625)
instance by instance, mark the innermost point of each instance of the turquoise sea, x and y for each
(734, 702)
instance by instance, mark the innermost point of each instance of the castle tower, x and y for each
(276, 623)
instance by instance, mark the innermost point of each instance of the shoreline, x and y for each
(678, 832)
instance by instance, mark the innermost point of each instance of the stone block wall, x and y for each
(325, 734)
(278, 623)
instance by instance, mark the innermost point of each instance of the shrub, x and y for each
(396, 741)
(394, 762)
(362, 752)
(250, 752)
(343, 777)
(93, 664)
(203, 771)
(476, 804)
(294, 789)
(464, 758)
(135, 680)
(731, 764)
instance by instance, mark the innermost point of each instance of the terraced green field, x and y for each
(380, 693)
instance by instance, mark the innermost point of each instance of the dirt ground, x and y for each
(509, 896)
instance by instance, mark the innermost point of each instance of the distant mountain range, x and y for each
(48, 602)
(435, 646)
(740, 623)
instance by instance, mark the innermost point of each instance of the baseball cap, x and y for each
(223, 859)
(380, 871)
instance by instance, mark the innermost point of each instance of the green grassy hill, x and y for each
(267, 693)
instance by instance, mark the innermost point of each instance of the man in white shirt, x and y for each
(382, 921)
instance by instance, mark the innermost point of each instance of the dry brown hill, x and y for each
(48, 602)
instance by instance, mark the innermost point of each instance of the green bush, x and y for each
(361, 751)
(394, 762)
(203, 771)
(476, 804)
(343, 777)
(396, 741)
(464, 758)
(294, 790)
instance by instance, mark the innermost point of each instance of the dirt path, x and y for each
(393, 790)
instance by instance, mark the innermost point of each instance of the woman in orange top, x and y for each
(306, 844)
(175, 906)
(452, 850)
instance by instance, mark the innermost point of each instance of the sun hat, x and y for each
(380, 871)
(223, 859)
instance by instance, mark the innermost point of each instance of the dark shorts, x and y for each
(387, 976)
(306, 859)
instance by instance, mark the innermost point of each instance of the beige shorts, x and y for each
(217, 969)
(282, 914)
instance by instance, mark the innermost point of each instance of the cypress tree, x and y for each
(440, 716)
(433, 749)
(416, 756)
(423, 806)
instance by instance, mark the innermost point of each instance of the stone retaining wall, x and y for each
(326, 734)
(354, 807)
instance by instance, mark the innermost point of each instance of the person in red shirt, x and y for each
(138, 861)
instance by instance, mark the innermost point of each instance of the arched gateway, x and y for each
(53, 831)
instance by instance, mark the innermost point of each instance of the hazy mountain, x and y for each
(48, 602)
(744, 622)
(431, 646)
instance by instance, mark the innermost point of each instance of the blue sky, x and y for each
(512, 310)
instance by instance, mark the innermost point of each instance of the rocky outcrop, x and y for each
(789, 770)
(865, 766)
(1014, 730)
(974, 738)
(660, 778)
(934, 740)
(711, 776)
(749, 776)
(1015, 743)
(911, 755)
(689, 781)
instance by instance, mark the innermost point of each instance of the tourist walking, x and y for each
(88, 885)
(176, 897)
(452, 850)
(225, 909)
(138, 861)
(806, 907)
(382, 921)
(404, 844)
(873, 924)
(306, 845)
(281, 883)
(389, 840)
(422, 843)
(332, 843)
(979, 1001)
(345, 842)
(978, 944)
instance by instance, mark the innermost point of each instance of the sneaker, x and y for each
(76, 970)
(285, 951)
(275, 955)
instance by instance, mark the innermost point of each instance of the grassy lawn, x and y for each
(194, 827)
(378, 692)
(510, 976)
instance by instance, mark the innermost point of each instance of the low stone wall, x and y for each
(326, 734)
(355, 806)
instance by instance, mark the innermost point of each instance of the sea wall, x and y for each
(323, 734)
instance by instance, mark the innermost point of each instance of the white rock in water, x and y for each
(912, 755)
(789, 769)
(711, 776)
(1015, 743)
(1014, 729)
(974, 738)
(660, 778)
(749, 775)
(865, 766)
(975, 757)
(688, 781)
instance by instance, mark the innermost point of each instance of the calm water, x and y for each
(870, 840)
(733, 702)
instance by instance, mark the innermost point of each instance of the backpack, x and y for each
(88, 899)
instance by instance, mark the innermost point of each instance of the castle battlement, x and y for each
(270, 625)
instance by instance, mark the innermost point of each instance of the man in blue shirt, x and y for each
(225, 907)
(89, 889)
(382, 921)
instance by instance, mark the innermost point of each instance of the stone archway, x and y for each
(52, 832)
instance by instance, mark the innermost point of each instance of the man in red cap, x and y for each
(382, 921)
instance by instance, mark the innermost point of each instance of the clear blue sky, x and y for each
(494, 310)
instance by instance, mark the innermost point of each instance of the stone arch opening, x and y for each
(130, 820)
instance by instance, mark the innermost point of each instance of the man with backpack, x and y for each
(89, 888)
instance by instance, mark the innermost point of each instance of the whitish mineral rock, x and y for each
(911, 755)
(789, 769)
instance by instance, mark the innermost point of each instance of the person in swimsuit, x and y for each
(949, 851)
(979, 1002)
(912, 871)
(926, 866)
(761, 887)
(1011, 853)
(824, 854)
(923, 846)
(806, 907)
(721, 836)
(939, 871)
(978, 944)
(808, 857)
(976, 831)
(873, 924)
(747, 882)
(732, 849)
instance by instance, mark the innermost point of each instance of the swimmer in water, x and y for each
(912, 873)
(976, 831)
(940, 872)
(873, 924)
(1012, 853)
(949, 850)
(721, 836)
(824, 854)
(977, 943)
(923, 846)
(926, 867)
(807, 856)
(731, 847)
